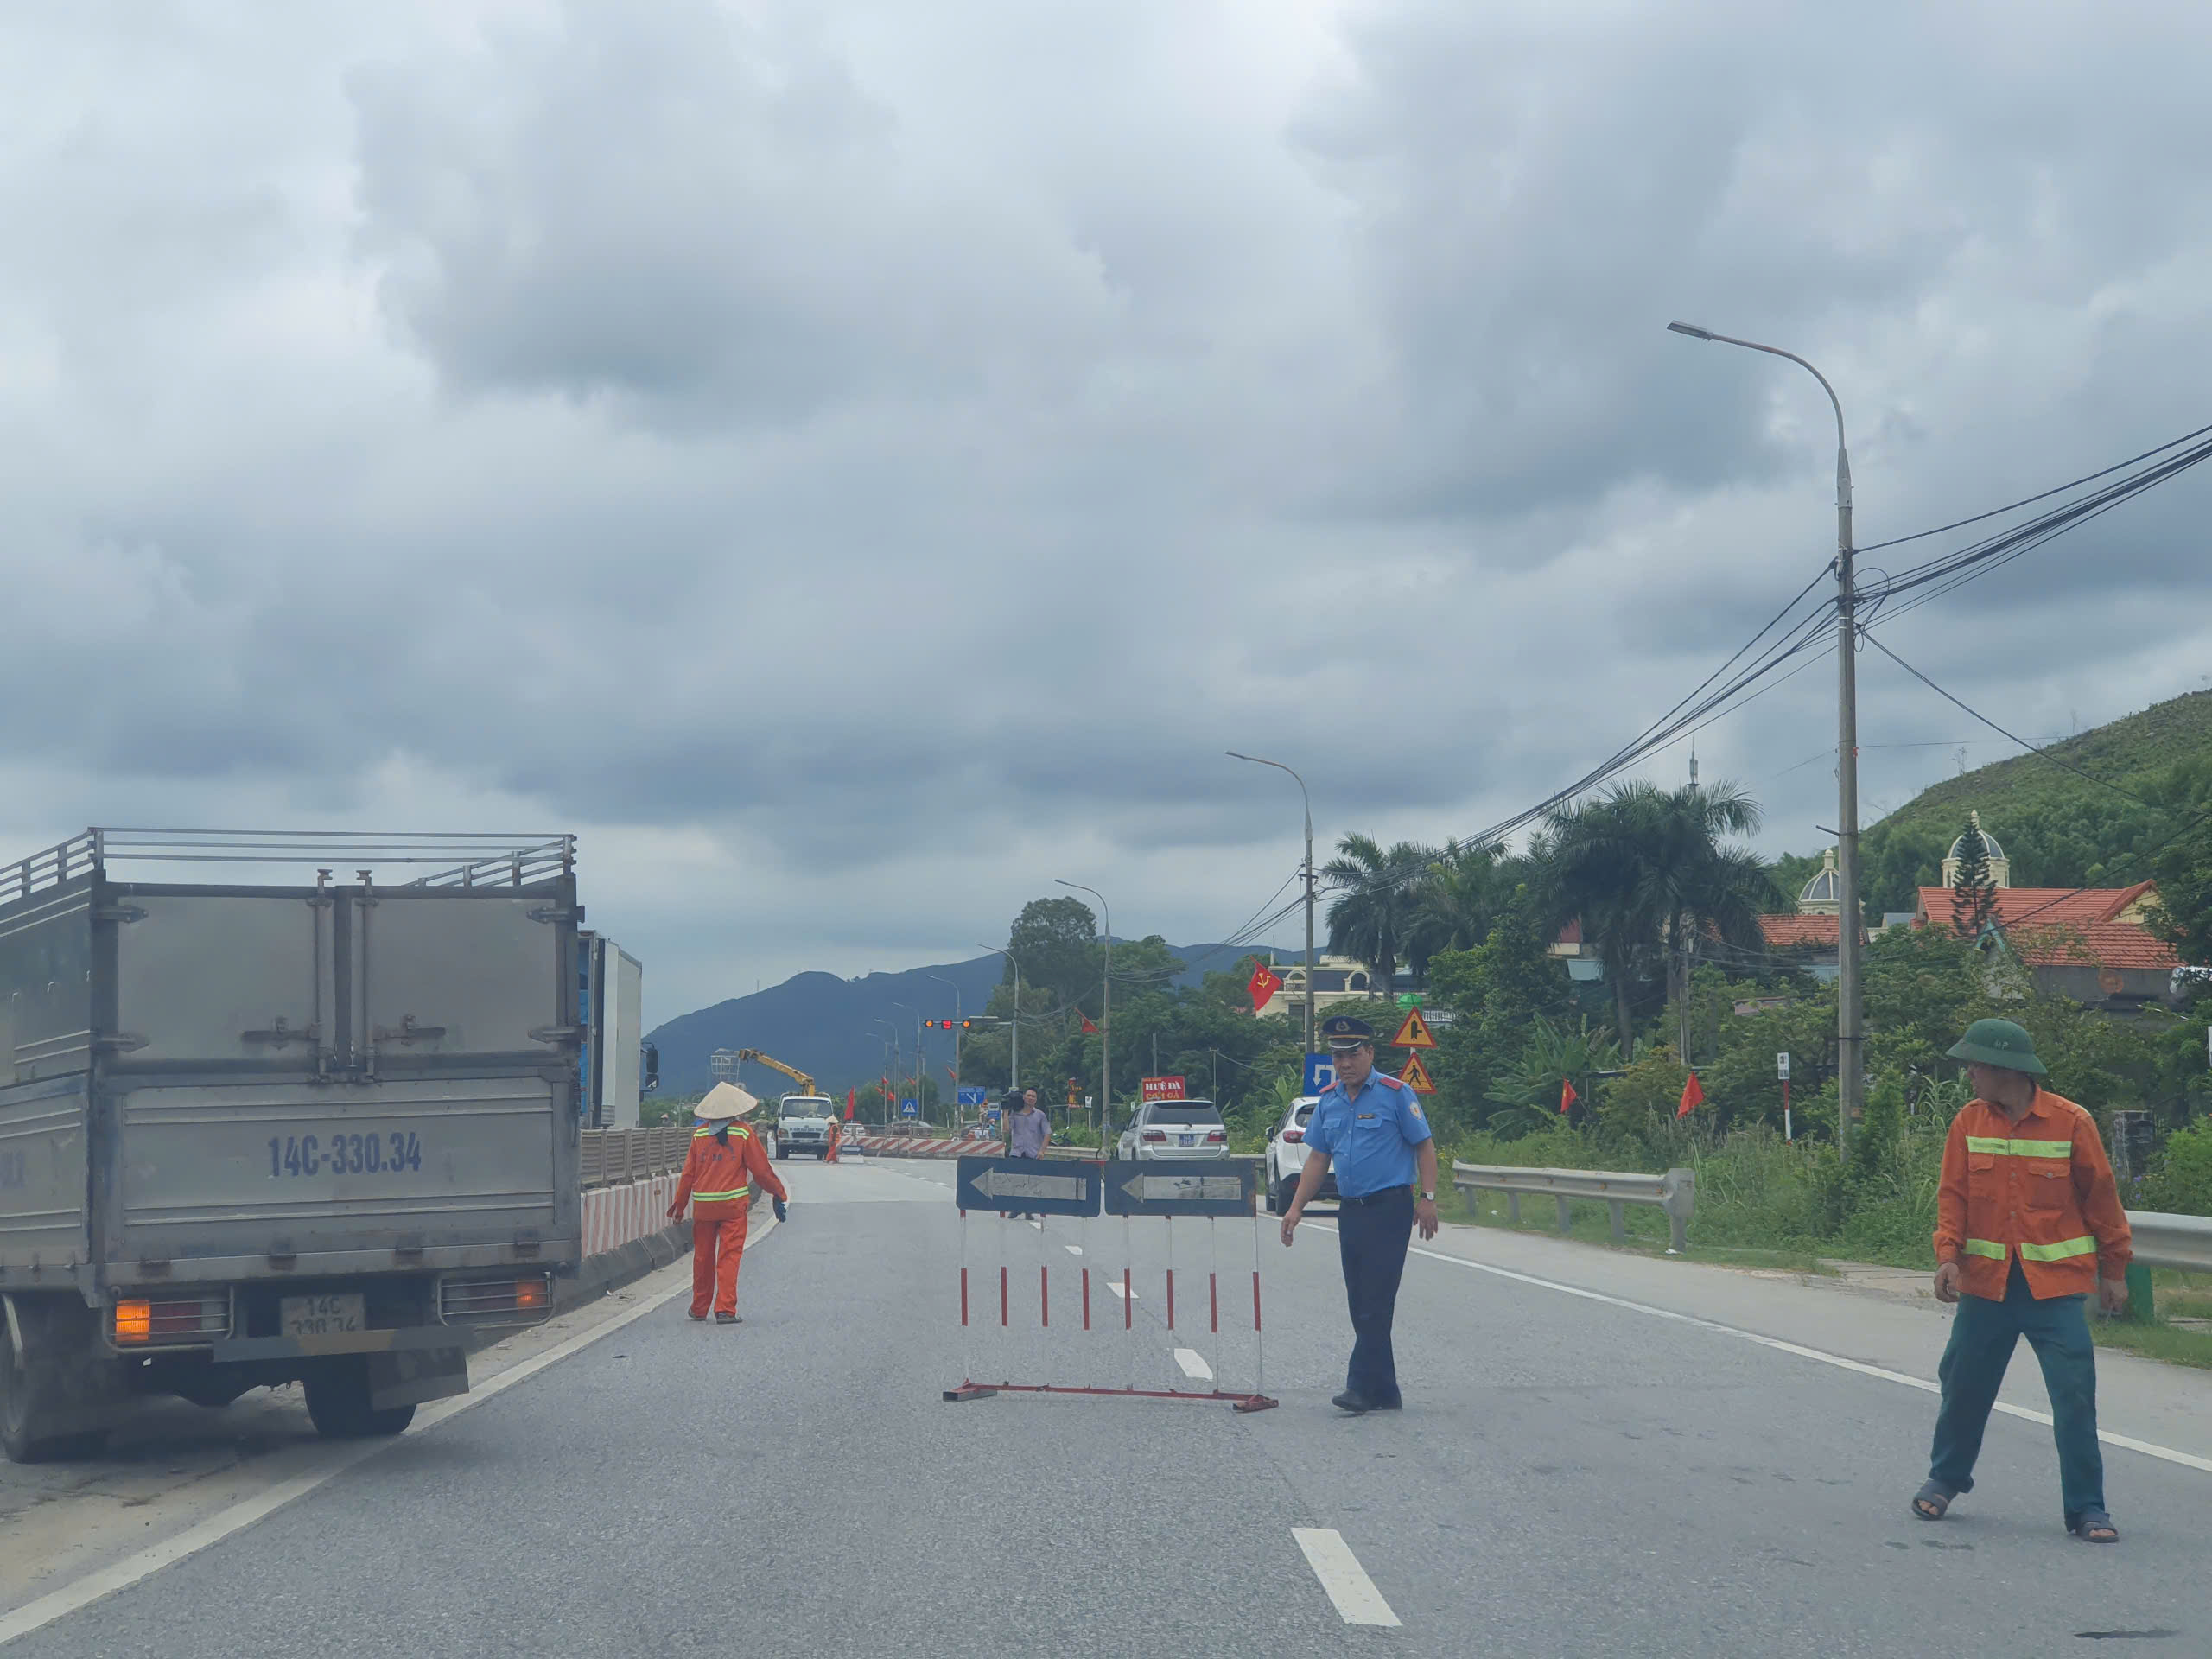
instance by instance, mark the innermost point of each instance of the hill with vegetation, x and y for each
(2059, 829)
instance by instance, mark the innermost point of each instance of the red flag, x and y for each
(1693, 1097)
(1265, 983)
(1567, 1095)
(852, 1100)
(1085, 1018)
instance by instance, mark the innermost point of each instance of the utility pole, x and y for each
(1105, 1015)
(1310, 884)
(1850, 1034)
(957, 1017)
(1013, 1055)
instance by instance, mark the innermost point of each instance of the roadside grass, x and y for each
(2176, 1344)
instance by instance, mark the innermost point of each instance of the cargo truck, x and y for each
(283, 1127)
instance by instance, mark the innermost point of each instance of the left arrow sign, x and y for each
(1014, 1184)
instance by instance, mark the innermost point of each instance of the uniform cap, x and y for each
(1342, 1031)
(1999, 1042)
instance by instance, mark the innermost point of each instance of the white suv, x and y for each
(1287, 1156)
(1175, 1131)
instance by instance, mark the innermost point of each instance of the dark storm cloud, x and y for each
(881, 456)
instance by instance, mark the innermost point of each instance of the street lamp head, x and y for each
(1689, 328)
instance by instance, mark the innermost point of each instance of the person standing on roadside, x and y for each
(1028, 1130)
(1370, 1128)
(2028, 1222)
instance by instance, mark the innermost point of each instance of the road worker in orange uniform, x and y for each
(2028, 1227)
(725, 1159)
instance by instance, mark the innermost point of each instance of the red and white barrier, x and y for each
(907, 1146)
(615, 1216)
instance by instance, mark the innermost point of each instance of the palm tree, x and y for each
(1373, 919)
(1647, 871)
(1457, 898)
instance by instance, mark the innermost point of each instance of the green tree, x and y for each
(1374, 919)
(1529, 1091)
(1973, 892)
(1457, 898)
(1055, 941)
(1492, 991)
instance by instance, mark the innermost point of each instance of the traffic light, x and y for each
(947, 1025)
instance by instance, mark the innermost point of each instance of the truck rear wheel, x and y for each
(338, 1403)
(30, 1396)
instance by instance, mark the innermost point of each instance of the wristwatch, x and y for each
(1428, 1197)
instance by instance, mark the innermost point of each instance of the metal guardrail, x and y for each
(2167, 1241)
(610, 1157)
(1675, 1192)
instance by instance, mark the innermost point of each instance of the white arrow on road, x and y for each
(1156, 1189)
(1012, 1184)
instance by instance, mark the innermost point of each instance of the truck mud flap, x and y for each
(408, 1377)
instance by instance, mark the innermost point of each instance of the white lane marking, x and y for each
(1073, 1250)
(2026, 1414)
(96, 1586)
(1358, 1601)
(1118, 1291)
(1193, 1365)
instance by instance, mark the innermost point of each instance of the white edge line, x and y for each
(1350, 1590)
(121, 1575)
(1193, 1364)
(2128, 1442)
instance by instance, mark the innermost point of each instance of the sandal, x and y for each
(2094, 1526)
(1933, 1501)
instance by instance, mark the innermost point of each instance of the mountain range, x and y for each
(827, 1026)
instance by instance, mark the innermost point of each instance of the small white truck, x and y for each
(803, 1123)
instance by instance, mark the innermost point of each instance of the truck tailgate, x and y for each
(238, 1179)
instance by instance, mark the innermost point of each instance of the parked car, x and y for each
(1286, 1159)
(1175, 1131)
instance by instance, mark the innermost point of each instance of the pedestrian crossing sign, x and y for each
(1416, 1077)
(1413, 1033)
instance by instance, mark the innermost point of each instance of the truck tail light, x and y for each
(140, 1324)
(463, 1302)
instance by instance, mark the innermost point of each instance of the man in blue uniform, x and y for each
(1370, 1126)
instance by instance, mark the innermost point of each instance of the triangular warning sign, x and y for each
(1415, 1076)
(1413, 1033)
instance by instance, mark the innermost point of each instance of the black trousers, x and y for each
(1372, 1239)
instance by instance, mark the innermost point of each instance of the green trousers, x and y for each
(1983, 1335)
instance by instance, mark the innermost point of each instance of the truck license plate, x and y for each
(322, 1316)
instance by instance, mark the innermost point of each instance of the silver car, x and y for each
(1286, 1159)
(1175, 1131)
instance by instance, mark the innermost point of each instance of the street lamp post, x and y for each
(1013, 1055)
(1105, 1016)
(918, 1102)
(1850, 1037)
(1300, 782)
(890, 1113)
(942, 980)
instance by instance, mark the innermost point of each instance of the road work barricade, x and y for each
(1055, 1305)
(1675, 1192)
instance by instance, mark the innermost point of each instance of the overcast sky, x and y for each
(853, 461)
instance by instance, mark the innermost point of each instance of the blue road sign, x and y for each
(1320, 1073)
(1225, 1187)
(974, 1096)
(1028, 1183)
(909, 1108)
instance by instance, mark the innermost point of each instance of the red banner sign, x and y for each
(1163, 1088)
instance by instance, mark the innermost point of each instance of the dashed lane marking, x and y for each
(1193, 1365)
(1073, 1249)
(1356, 1599)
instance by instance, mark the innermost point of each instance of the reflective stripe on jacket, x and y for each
(717, 1179)
(2040, 1190)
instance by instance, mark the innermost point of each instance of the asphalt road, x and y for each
(1572, 1475)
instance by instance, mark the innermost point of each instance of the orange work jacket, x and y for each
(2039, 1191)
(718, 1179)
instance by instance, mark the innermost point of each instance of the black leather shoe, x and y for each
(1357, 1404)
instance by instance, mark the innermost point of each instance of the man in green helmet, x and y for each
(2028, 1222)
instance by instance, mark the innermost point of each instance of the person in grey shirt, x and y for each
(1029, 1131)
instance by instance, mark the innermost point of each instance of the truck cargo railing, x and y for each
(610, 1157)
(468, 858)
